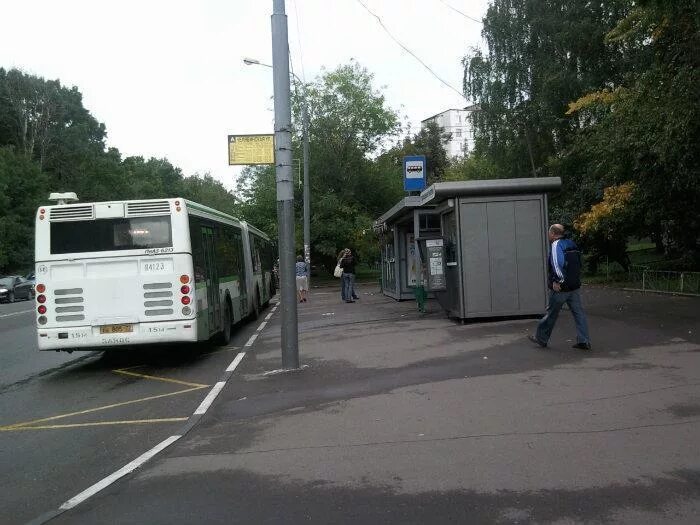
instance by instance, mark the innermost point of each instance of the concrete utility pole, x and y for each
(285, 184)
(305, 138)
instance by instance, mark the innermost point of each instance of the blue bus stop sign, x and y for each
(414, 176)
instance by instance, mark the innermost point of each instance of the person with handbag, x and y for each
(347, 264)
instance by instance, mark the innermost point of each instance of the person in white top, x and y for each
(302, 272)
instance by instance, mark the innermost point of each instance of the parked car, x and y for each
(14, 287)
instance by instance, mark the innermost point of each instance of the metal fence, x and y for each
(645, 279)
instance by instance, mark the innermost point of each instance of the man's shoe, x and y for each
(582, 346)
(537, 341)
(349, 301)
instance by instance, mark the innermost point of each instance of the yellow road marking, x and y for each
(124, 371)
(96, 424)
(97, 409)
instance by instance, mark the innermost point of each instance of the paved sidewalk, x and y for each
(409, 418)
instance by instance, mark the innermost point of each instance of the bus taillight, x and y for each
(185, 299)
(185, 290)
(184, 279)
(41, 298)
(41, 309)
(40, 288)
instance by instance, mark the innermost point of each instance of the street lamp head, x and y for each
(250, 61)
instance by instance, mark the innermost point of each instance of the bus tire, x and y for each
(224, 336)
(267, 303)
(256, 304)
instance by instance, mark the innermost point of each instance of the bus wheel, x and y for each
(256, 304)
(224, 337)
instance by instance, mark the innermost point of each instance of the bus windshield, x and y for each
(104, 235)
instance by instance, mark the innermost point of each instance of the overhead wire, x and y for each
(301, 54)
(402, 46)
(473, 19)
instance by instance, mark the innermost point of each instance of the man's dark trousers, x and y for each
(556, 301)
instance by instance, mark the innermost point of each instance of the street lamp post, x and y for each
(305, 140)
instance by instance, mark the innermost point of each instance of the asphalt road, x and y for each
(20, 358)
(68, 420)
(400, 418)
(411, 419)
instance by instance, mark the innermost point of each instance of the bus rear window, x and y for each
(106, 235)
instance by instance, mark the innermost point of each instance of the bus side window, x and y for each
(226, 257)
(256, 258)
(200, 274)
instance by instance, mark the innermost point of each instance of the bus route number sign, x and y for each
(251, 149)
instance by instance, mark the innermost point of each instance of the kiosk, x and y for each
(494, 250)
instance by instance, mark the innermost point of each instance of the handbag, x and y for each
(338, 272)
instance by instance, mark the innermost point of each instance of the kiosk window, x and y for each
(429, 223)
(449, 231)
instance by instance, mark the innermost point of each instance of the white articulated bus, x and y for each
(142, 272)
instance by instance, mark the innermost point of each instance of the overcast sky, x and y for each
(168, 80)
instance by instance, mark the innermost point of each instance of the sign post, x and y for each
(414, 173)
(251, 149)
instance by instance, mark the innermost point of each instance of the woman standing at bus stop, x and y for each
(347, 263)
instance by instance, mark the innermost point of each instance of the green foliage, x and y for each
(471, 168)
(350, 185)
(50, 142)
(601, 94)
(541, 55)
(21, 191)
(256, 189)
(429, 141)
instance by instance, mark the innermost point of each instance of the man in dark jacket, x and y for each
(564, 278)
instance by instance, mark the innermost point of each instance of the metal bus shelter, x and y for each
(495, 245)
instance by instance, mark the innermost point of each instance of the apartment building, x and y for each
(458, 123)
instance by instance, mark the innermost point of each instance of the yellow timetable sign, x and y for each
(251, 149)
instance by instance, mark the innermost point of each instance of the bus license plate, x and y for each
(116, 329)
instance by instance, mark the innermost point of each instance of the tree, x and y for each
(645, 131)
(601, 94)
(541, 55)
(349, 123)
(50, 142)
(21, 192)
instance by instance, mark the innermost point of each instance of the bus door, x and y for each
(212, 280)
(260, 258)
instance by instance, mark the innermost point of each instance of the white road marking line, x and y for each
(235, 362)
(262, 326)
(16, 313)
(143, 458)
(269, 316)
(126, 469)
(211, 396)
